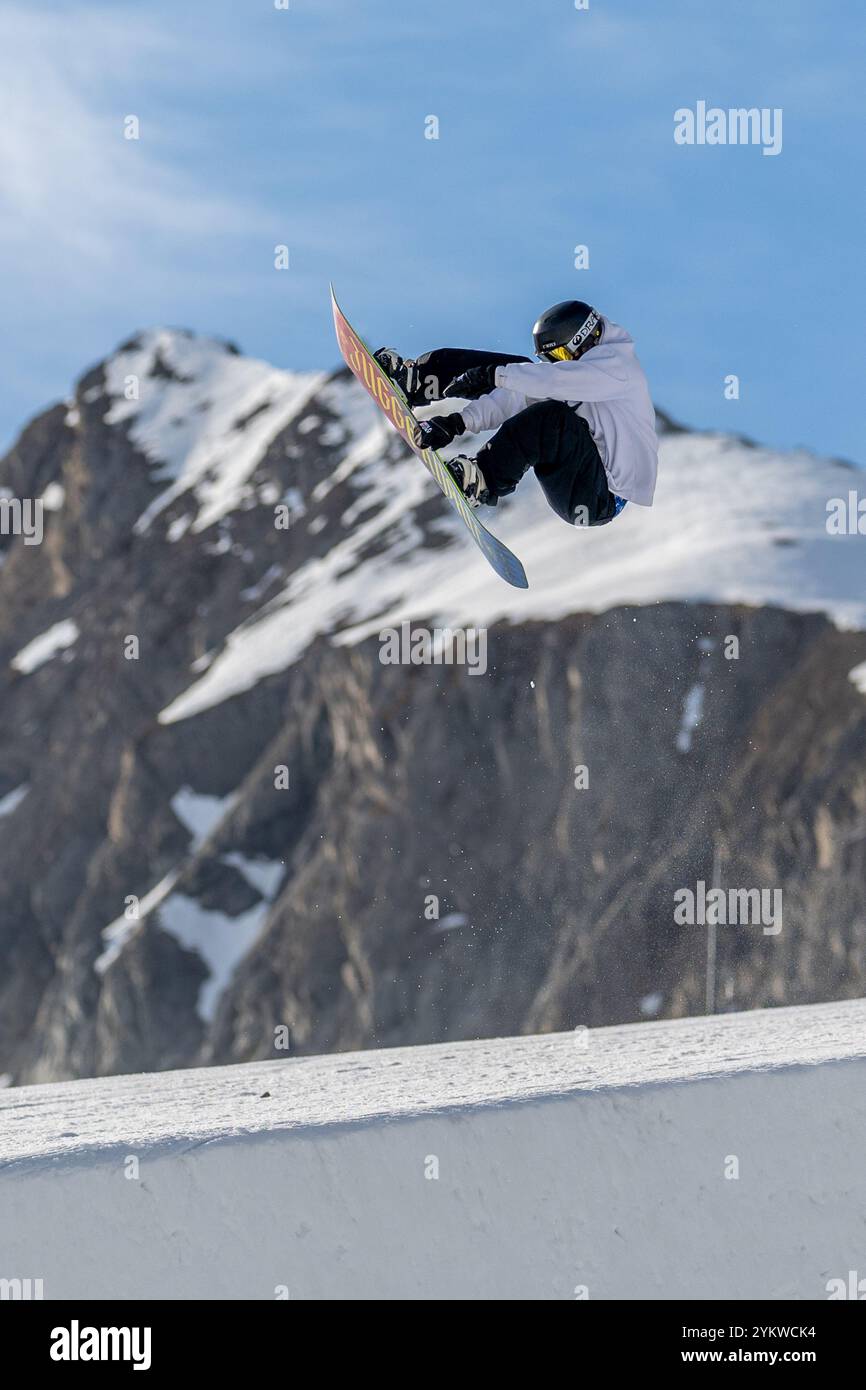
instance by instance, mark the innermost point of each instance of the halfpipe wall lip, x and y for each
(81, 1119)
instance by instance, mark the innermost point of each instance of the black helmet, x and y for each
(567, 330)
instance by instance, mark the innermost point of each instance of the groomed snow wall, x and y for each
(703, 1158)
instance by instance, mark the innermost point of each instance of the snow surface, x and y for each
(13, 799)
(200, 813)
(119, 932)
(858, 676)
(693, 713)
(352, 1087)
(53, 497)
(510, 1168)
(46, 646)
(264, 875)
(732, 523)
(221, 941)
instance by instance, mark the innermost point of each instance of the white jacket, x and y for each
(607, 387)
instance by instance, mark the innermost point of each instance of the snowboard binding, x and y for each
(470, 480)
(398, 369)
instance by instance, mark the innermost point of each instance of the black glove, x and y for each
(474, 383)
(436, 433)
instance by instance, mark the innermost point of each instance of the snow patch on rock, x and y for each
(220, 940)
(13, 799)
(858, 676)
(46, 646)
(199, 812)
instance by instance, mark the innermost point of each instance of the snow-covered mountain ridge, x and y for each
(732, 523)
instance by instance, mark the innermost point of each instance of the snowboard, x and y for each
(391, 401)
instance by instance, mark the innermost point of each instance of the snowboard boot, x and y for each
(400, 370)
(470, 480)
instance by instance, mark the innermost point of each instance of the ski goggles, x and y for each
(557, 354)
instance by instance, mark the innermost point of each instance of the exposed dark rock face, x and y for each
(431, 871)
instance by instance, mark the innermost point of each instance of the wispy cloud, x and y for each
(72, 188)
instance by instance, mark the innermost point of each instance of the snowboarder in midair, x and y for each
(581, 416)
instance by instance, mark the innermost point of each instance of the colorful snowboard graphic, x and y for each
(390, 399)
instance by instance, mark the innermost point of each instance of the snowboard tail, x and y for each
(391, 401)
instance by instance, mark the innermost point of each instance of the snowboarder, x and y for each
(581, 416)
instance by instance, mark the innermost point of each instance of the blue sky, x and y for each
(307, 127)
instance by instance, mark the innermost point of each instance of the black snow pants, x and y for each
(549, 437)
